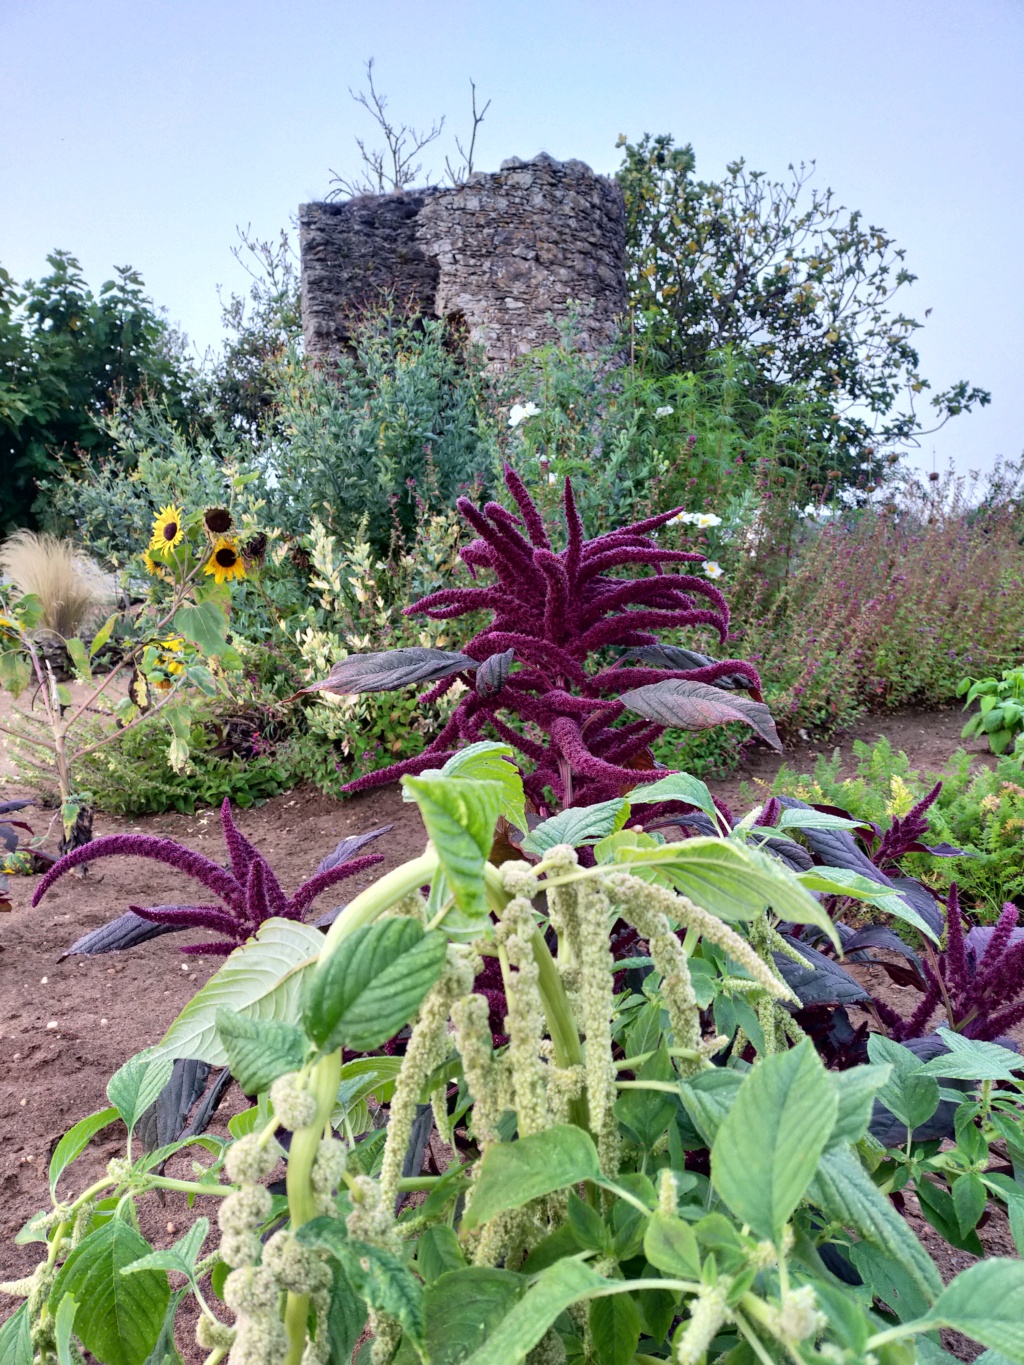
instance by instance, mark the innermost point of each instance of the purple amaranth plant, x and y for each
(981, 989)
(248, 892)
(552, 612)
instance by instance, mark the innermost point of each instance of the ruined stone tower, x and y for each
(495, 256)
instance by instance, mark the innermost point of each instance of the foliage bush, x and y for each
(882, 606)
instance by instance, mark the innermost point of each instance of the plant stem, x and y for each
(326, 1077)
(372, 902)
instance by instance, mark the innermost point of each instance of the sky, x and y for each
(148, 131)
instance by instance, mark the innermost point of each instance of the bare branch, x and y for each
(394, 167)
(461, 171)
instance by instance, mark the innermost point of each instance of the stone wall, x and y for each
(496, 256)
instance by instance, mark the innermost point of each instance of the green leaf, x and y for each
(985, 1302)
(182, 1256)
(62, 1324)
(259, 1050)
(202, 678)
(614, 1329)
(815, 819)
(909, 1093)
(678, 787)
(460, 816)
(75, 1141)
(136, 1085)
(16, 1338)
(969, 1059)
(488, 761)
(841, 881)
(969, 1199)
(552, 1292)
(843, 1190)
(769, 1143)
(671, 1246)
(119, 1316)
(204, 626)
(261, 980)
(15, 672)
(103, 635)
(513, 1173)
(889, 1281)
(346, 1317)
(587, 1224)
(76, 650)
(378, 1276)
(462, 1308)
(372, 984)
(708, 1097)
(29, 610)
(437, 1252)
(577, 826)
(734, 881)
(855, 1091)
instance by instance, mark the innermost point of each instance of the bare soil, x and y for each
(66, 1026)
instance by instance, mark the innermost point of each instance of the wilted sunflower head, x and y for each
(218, 520)
(254, 551)
(225, 562)
(167, 528)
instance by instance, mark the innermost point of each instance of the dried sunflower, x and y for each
(218, 520)
(225, 562)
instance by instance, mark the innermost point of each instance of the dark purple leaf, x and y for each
(978, 939)
(878, 936)
(7, 806)
(165, 1118)
(919, 898)
(942, 851)
(822, 982)
(491, 675)
(386, 670)
(127, 931)
(328, 917)
(677, 659)
(699, 706)
(350, 846)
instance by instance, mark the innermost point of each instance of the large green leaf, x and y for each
(204, 626)
(16, 1338)
(578, 825)
(488, 761)
(855, 1091)
(346, 1317)
(709, 1097)
(734, 881)
(843, 881)
(463, 1307)
(372, 984)
(261, 980)
(768, 1146)
(460, 815)
(671, 1246)
(182, 1256)
(513, 1173)
(119, 1316)
(259, 1050)
(614, 1329)
(136, 1085)
(62, 1324)
(970, 1059)
(75, 1141)
(552, 1292)
(678, 787)
(985, 1302)
(844, 1191)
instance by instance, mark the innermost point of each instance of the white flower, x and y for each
(552, 478)
(664, 412)
(520, 411)
(706, 519)
(712, 569)
(684, 518)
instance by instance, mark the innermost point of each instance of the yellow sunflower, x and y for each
(154, 566)
(167, 529)
(225, 562)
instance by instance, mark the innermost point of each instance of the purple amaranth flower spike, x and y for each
(249, 894)
(553, 610)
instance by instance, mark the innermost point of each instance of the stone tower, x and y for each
(494, 256)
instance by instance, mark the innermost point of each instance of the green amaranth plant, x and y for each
(1000, 716)
(612, 1195)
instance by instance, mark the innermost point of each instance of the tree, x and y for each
(781, 271)
(65, 355)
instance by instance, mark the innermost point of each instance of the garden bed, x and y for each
(67, 1025)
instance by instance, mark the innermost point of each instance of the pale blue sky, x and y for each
(143, 131)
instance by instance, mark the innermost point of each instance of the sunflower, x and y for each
(167, 529)
(225, 562)
(154, 566)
